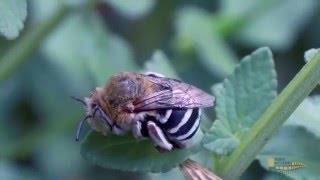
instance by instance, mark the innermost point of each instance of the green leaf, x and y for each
(220, 140)
(129, 154)
(294, 143)
(194, 28)
(307, 116)
(272, 120)
(245, 95)
(275, 176)
(132, 9)
(12, 15)
(173, 174)
(274, 23)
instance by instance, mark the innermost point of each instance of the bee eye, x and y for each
(93, 106)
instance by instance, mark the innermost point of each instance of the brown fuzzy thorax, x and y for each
(119, 94)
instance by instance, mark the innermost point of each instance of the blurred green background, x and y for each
(202, 39)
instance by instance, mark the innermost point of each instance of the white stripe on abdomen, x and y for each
(182, 122)
(194, 128)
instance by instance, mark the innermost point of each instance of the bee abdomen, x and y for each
(180, 124)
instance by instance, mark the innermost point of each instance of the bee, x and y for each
(151, 106)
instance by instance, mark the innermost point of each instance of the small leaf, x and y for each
(12, 15)
(220, 139)
(294, 143)
(133, 9)
(129, 154)
(245, 95)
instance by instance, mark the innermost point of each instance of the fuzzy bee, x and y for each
(165, 110)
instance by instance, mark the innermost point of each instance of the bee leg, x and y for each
(117, 130)
(138, 130)
(158, 137)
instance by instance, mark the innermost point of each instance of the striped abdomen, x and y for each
(179, 124)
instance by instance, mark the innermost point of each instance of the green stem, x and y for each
(21, 52)
(271, 121)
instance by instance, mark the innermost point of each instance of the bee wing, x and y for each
(174, 94)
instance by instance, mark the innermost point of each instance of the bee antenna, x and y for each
(79, 100)
(80, 127)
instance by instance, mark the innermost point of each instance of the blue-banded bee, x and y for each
(165, 110)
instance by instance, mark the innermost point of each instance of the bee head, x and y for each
(93, 110)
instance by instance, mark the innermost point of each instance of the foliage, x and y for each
(126, 153)
(298, 140)
(132, 9)
(270, 24)
(13, 14)
(237, 105)
(68, 48)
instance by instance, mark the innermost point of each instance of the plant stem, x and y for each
(271, 121)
